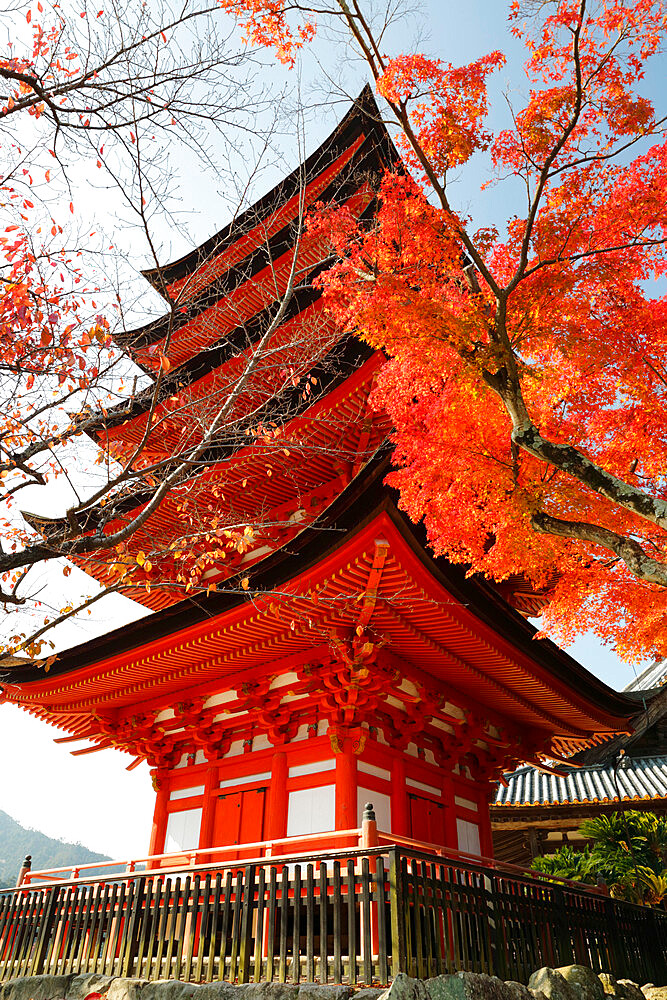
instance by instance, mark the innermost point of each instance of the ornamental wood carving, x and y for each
(358, 687)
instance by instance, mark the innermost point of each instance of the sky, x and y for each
(92, 799)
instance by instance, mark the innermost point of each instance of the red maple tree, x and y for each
(526, 378)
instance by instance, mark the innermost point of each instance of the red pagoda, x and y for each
(333, 660)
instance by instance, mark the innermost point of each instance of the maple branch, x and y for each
(375, 64)
(67, 614)
(627, 549)
(636, 244)
(574, 463)
(588, 158)
(91, 77)
(550, 159)
(11, 597)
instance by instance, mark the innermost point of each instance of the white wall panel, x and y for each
(468, 837)
(182, 830)
(187, 793)
(311, 810)
(314, 768)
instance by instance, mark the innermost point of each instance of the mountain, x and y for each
(16, 842)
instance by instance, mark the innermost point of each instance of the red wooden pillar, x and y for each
(485, 832)
(208, 808)
(451, 831)
(400, 812)
(346, 787)
(159, 828)
(276, 826)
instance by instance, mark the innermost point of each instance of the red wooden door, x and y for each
(227, 823)
(239, 818)
(427, 820)
(252, 816)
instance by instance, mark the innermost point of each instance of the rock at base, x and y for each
(36, 988)
(620, 989)
(652, 992)
(583, 981)
(553, 985)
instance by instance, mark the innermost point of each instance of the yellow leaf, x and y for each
(245, 582)
(141, 558)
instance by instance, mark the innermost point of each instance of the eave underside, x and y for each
(376, 582)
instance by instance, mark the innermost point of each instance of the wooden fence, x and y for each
(359, 917)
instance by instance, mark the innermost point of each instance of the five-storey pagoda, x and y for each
(356, 666)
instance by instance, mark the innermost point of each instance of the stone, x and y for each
(652, 992)
(265, 991)
(573, 982)
(620, 989)
(472, 986)
(583, 980)
(404, 987)
(517, 991)
(553, 985)
(326, 991)
(88, 982)
(35, 988)
(627, 990)
(125, 989)
(168, 989)
(216, 991)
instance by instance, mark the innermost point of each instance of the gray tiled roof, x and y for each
(638, 778)
(654, 676)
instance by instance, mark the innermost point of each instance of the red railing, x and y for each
(278, 850)
(346, 914)
(199, 858)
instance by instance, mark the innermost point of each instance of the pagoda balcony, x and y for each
(354, 906)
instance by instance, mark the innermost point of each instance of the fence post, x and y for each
(618, 964)
(133, 917)
(563, 938)
(368, 840)
(657, 950)
(246, 924)
(48, 911)
(369, 828)
(494, 910)
(25, 868)
(397, 907)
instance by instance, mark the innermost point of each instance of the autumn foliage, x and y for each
(526, 378)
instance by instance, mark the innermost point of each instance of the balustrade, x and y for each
(351, 915)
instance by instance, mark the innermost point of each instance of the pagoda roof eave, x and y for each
(364, 106)
(364, 501)
(330, 372)
(345, 354)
